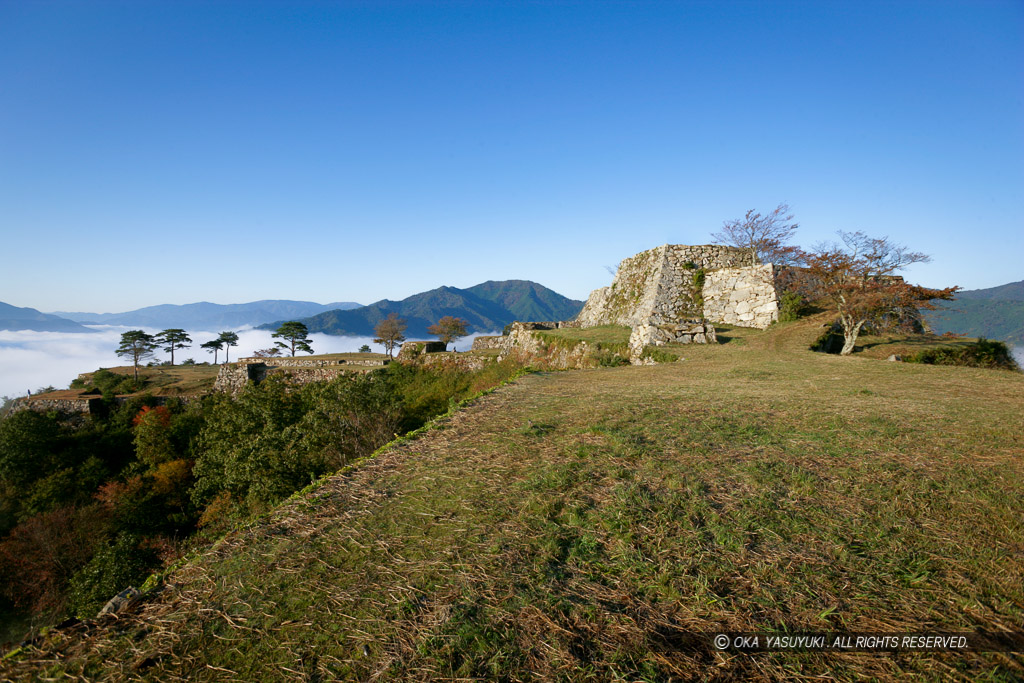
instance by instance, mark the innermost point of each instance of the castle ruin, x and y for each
(669, 293)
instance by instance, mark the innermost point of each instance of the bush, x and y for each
(983, 353)
(791, 307)
(659, 355)
(125, 562)
(829, 341)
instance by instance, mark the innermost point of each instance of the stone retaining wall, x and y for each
(485, 343)
(746, 297)
(674, 283)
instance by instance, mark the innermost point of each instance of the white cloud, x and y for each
(29, 360)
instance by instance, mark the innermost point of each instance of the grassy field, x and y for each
(585, 525)
(169, 380)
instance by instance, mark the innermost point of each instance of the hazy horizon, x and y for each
(31, 360)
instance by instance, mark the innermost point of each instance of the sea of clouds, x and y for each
(30, 360)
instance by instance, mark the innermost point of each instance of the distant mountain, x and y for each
(1014, 291)
(994, 313)
(486, 307)
(204, 315)
(15, 318)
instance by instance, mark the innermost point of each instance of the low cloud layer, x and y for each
(30, 360)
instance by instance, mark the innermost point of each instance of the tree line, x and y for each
(138, 345)
(89, 508)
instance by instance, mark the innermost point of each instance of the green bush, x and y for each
(829, 341)
(791, 307)
(607, 358)
(659, 355)
(983, 353)
(698, 288)
(123, 563)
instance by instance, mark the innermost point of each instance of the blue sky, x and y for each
(233, 151)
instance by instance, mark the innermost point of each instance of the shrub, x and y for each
(40, 556)
(983, 353)
(123, 563)
(659, 355)
(791, 307)
(698, 288)
(829, 341)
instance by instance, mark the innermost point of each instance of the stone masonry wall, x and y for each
(485, 343)
(232, 377)
(657, 286)
(746, 297)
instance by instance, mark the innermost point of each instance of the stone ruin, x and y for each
(674, 293)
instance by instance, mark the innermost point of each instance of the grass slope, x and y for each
(582, 525)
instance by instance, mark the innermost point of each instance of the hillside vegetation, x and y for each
(487, 307)
(995, 313)
(592, 525)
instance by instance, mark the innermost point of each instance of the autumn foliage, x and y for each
(857, 279)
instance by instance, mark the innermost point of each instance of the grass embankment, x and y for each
(580, 525)
(158, 380)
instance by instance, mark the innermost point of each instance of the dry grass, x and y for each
(583, 525)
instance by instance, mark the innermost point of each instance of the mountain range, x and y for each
(995, 313)
(487, 307)
(207, 316)
(15, 318)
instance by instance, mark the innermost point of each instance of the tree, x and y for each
(137, 346)
(448, 329)
(213, 347)
(765, 236)
(174, 338)
(229, 339)
(272, 352)
(296, 335)
(390, 332)
(365, 348)
(857, 279)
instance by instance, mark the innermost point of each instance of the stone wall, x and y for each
(525, 346)
(232, 377)
(679, 284)
(746, 297)
(683, 332)
(69, 406)
(485, 343)
(412, 349)
(658, 286)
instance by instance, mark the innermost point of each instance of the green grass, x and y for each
(606, 335)
(579, 525)
(169, 380)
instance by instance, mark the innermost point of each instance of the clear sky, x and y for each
(171, 152)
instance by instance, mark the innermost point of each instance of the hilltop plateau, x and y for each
(603, 524)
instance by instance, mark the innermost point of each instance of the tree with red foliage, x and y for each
(858, 279)
(448, 329)
(40, 555)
